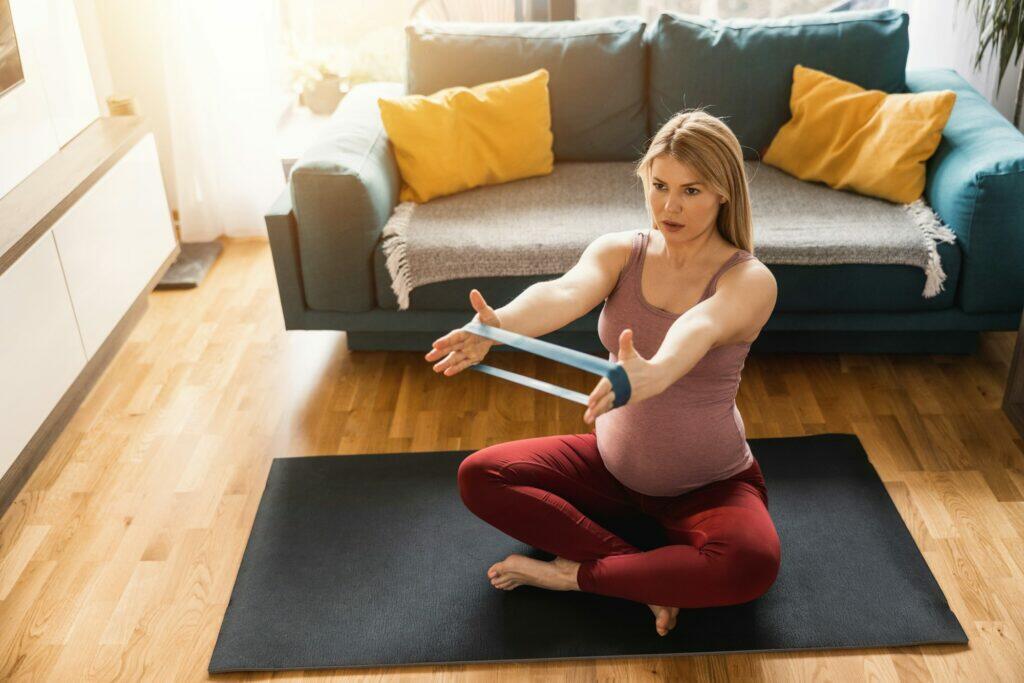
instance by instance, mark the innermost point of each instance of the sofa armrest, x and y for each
(284, 250)
(975, 183)
(344, 188)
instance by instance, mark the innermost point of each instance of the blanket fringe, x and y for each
(932, 230)
(395, 246)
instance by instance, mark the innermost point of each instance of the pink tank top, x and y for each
(689, 435)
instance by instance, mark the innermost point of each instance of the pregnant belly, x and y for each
(665, 454)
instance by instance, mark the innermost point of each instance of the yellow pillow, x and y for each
(862, 140)
(460, 138)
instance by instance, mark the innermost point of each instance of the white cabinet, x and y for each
(72, 279)
(41, 349)
(113, 239)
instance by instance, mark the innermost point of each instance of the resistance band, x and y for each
(615, 373)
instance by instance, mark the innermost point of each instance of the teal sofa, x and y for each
(612, 83)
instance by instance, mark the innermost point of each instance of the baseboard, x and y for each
(20, 471)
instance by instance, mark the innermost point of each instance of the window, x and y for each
(365, 41)
(358, 41)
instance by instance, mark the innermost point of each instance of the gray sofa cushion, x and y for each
(742, 70)
(596, 67)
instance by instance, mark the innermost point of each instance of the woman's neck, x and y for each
(683, 254)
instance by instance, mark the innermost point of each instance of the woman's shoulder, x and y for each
(619, 243)
(623, 239)
(615, 251)
(742, 255)
(747, 268)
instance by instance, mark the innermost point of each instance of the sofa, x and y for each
(612, 83)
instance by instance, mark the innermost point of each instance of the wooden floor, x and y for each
(118, 558)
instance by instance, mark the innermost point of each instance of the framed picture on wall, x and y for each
(10, 59)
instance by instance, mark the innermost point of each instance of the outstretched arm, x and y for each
(551, 305)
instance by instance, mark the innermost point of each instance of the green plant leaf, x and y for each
(1000, 32)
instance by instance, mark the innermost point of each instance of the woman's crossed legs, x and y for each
(723, 547)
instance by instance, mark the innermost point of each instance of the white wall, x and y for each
(65, 68)
(95, 52)
(128, 30)
(27, 137)
(56, 100)
(943, 34)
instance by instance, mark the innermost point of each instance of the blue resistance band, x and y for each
(615, 373)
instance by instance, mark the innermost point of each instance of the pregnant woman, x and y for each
(683, 301)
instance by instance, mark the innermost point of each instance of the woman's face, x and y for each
(682, 206)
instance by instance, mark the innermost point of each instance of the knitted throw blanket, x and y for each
(541, 225)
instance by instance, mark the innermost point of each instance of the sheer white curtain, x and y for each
(220, 62)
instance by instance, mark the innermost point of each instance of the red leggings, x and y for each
(723, 548)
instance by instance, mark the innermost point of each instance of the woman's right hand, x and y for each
(460, 348)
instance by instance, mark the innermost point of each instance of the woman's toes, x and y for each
(506, 582)
(664, 618)
(667, 619)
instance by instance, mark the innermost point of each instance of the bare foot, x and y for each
(517, 570)
(664, 618)
(569, 567)
(560, 575)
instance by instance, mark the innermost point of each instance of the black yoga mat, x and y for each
(373, 560)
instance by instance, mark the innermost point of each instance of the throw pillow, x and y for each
(460, 138)
(866, 141)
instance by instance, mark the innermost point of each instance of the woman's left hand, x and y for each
(644, 380)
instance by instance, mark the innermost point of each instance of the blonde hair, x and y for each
(708, 146)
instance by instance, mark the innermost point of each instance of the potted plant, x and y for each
(322, 89)
(1001, 30)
